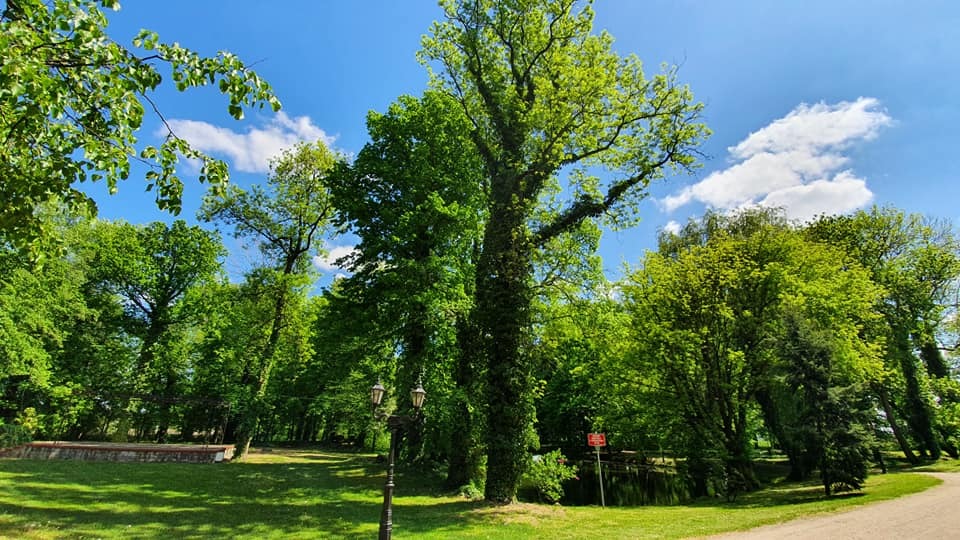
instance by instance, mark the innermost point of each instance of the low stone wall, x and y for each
(152, 453)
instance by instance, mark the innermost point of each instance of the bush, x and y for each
(13, 435)
(471, 491)
(546, 475)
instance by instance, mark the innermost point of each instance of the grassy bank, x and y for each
(314, 494)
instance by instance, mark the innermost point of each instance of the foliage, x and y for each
(708, 310)
(917, 262)
(14, 435)
(72, 101)
(576, 340)
(947, 412)
(833, 415)
(545, 96)
(546, 474)
(413, 197)
(153, 269)
(286, 221)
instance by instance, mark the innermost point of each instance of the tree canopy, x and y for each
(546, 96)
(72, 102)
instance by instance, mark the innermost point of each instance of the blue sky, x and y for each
(817, 106)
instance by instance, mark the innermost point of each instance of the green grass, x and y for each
(315, 494)
(942, 465)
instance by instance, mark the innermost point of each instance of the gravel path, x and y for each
(930, 514)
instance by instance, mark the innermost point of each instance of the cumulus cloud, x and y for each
(796, 162)
(328, 262)
(250, 151)
(672, 227)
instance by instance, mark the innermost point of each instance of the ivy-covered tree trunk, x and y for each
(503, 300)
(416, 343)
(932, 357)
(466, 447)
(167, 397)
(250, 417)
(894, 423)
(919, 415)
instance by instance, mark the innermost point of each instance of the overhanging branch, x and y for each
(585, 208)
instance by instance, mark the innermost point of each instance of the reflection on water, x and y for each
(626, 484)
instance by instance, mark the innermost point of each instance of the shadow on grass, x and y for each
(789, 495)
(329, 498)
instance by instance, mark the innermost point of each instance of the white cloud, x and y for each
(250, 151)
(328, 263)
(795, 162)
(672, 227)
(844, 193)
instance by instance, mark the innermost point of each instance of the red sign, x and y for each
(596, 439)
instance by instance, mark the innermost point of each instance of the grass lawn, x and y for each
(317, 494)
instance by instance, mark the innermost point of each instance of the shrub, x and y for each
(13, 435)
(471, 491)
(546, 475)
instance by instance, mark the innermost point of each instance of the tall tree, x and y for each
(414, 197)
(916, 261)
(286, 221)
(708, 308)
(72, 101)
(152, 268)
(546, 97)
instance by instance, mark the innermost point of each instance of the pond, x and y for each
(626, 484)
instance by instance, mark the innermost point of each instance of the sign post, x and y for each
(597, 440)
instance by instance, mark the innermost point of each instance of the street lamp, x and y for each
(394, 424)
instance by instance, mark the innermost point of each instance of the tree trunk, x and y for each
(503, 302)
(464, 463)
(918, 411)
(894, 425)
(250, 418)
(166, 404)
(933, 358)
(416, 344)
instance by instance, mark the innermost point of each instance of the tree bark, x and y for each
(503, 302)
(464, 462)
(894, 425)
(933, 358)
(919, 415)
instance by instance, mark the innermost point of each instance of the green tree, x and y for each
(68, 355)
(97, 356)
(708, 308)
(286, 220)
(544, 97)
(72, 101)
(414, 198)
(153, 268)
(687, 323)
(916, 261)
(351, 351)
(833, 413)
(577, 339)
(236, 324)
(38, 304)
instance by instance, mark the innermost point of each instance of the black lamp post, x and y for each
(394, 424)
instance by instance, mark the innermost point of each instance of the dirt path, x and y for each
(934, 513)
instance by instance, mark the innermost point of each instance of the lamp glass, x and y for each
(376, 394)
(417, 396)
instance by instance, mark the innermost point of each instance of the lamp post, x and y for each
(395, 423)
